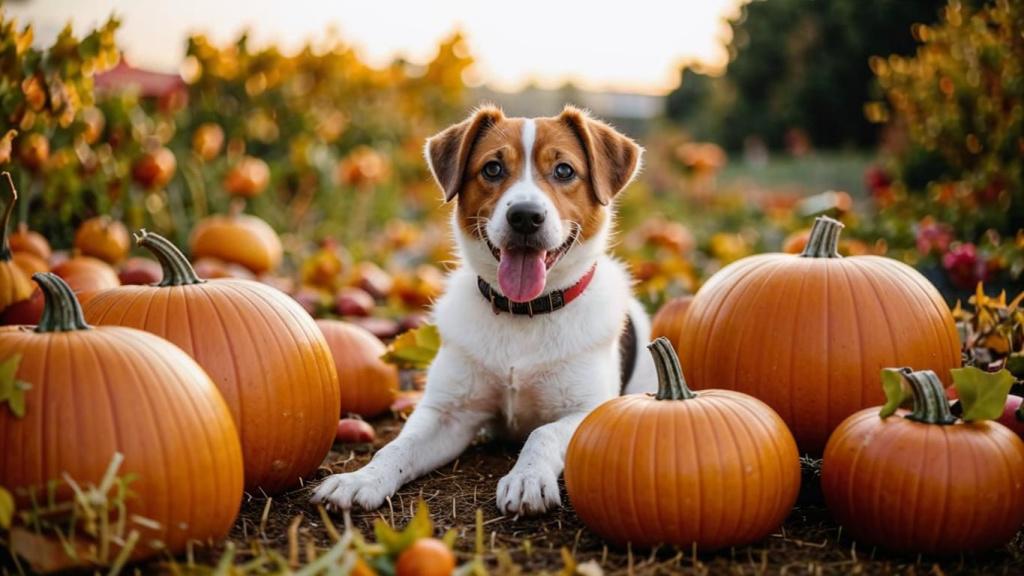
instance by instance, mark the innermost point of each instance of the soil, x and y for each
(808, 543)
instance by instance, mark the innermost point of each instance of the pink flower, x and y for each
(964, 266)
(933, 237)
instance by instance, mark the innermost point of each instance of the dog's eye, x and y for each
(493, 170)
(564, 172)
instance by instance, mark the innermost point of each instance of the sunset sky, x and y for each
(633, 45)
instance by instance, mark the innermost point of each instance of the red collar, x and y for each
(544, 304)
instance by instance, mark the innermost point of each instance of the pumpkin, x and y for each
(14, 283)
(261, 349)
(103, 238)
(208, 140)
(368, 384)
(425, 557)
(155, 168)
(715, 468)
(668, 321)
(97, 392)
(29, 242)
(28, 263)
(86, 274)
(238, 238)
(808, 333)
(247, 178)
(923, 481)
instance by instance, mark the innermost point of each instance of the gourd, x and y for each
(238, 238)
(713, 468)
(368, 384)
(261, 349)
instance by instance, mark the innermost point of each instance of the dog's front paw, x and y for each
(343, 491)
(526, 493)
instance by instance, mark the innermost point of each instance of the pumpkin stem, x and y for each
(671, 384)
(177, 271)
(61, 310)
(930, 403)
(824, 239)
(5, 244)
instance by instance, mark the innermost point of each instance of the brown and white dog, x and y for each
(538, 322)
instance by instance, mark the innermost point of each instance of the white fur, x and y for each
(533, 378)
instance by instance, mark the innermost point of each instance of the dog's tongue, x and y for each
(522, 273)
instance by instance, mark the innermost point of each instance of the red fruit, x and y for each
(354, 431)
(426, 557)
(876, 178)
(354, 302)
(406, 402)
(140, 271)
(413, 321)
(383, 328)
(1010, 418)
(155, 169)
(25, 312)
(311, 299)
(373, 279)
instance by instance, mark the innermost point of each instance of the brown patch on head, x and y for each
(555, 144)
(612, 157)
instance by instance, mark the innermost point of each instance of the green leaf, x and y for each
(12, 390)
(6, 508)
(896, 390)
(414, 349)
(394, 542)
(982, 394)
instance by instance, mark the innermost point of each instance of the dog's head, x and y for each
(533, 195)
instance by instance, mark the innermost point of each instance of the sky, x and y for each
(626, 45)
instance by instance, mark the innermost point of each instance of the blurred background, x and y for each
(902, 118)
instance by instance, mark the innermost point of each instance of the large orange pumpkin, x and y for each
(14, 283)
(668, 321)
(715, 468)
(923, 481)
(238, 238)
(97, 392)
(103, 238)
(368, 384)
(260, 348)
(809, 333)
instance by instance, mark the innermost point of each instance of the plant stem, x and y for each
(930, 403)
(671, 384)
(824, 239)
(61, 310)
(5, 244)
(177, 271)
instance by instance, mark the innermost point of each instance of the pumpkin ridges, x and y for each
(745, 420)
(950, 338)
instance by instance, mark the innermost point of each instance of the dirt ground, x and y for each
(808, 543)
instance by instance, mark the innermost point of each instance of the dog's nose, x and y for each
(525, 217)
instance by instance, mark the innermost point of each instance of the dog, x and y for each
(538, 323)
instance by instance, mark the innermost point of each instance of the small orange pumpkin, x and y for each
(668, 322)
(809, 333)
(238, 238)
(14, 283)
(715, 468)
(208, 140)
(368, 384)
(97, 392)
(104, 238)
(923, 481)
(262, 350)
(86, 274)
(425, 557)
(248, 178)
(29, 264)
(30, 242)
(155, 168)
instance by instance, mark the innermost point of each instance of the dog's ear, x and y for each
(448, 152)
(614, 158)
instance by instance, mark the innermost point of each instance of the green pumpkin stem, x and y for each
(930, 403)
(61, 310)
(671, 384)
(177, 271)
(5, 244)
(824, 239)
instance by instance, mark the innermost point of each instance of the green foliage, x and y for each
(982, 394)
(7, 508)
(959, 103)
(414, 349)
(799, 65)
(897, 393)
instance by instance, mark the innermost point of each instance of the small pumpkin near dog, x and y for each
(925, 481)
(714, 468)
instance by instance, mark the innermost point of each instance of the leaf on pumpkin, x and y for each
(6, 508)
(415, 348)
(12, 390)
(982, 394)
(896, 390)
(394, 542)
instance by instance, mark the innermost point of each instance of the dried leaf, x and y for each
(414, 349)
(6, 508)
(12, 390)
(394, 542)
(982, 394)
